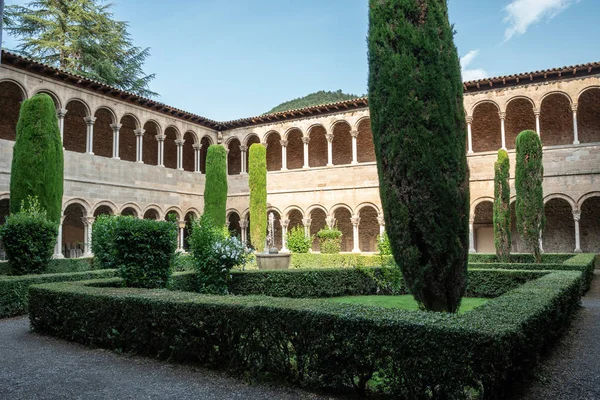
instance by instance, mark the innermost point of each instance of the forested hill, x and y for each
(313, 99)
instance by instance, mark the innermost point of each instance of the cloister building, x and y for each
(129, 155)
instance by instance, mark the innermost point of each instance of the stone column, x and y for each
(541, 243)
(354, 135)
(179, 143)
(537, 122)
(284, 227)
(89, 143)
(284, 144)
(197, 147)
(244, 154)
(139, 136)
(329, 149)
(469, 135)
(180, 238)
(244, 226)
(305, 140)
(115, 147)
(381, 221)
(355, 222)
(576, 218)
(330, 221)
(58, 246)
(161, 149)
(471, 236)
(306, 222)
(88, 222)
(575, 133)
(61, 113)
(502, 130)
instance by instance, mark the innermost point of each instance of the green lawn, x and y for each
(405, 302)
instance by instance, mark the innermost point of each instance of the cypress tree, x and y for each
(215, 189)
(257, 179)
(529, 174)
(419, 133)
(502, 239)
(37, 165)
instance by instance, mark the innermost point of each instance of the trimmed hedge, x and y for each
(320, 344)
(549, 258)
(346, 260)
(59, 266)
(13, 289)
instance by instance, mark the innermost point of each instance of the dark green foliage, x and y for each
(28, 238)
(320, 344)
(383, 245)
(419, 133)
(549, 258)
(297, 241)
(257, 180)
(102, 241)
(346, 260)
(14, 297)
(502, 239)
(37, 163)
(330, 240)
(313, 99)
(529, 175)
(58, 266)
(215, 189)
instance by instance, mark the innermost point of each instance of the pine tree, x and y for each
(257, 179)
(419, 133)
(80, 37)
(529, 175)
(502, 239)
(215, 188)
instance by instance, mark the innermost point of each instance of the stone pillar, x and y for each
(354, 135)
(381, 221)
(244, 154)
(61, 113)
(58, 246)
(541, 243)
(139, 137)
(575, 133)
(161, 149)
(88, 222)
(355, 222)
(197, 147)
(244, 226)
(179, 143)
(305, 140)
(576, 218)
(469, 135)
(306, 222)
(537, 122)
(180, 238)
(502, 130)
(471, 236)
(115, 147)
(89, 143)
(284, 227)
(284, 144)
(329, 150)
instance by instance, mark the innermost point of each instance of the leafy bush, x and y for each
(501, 217)
(215, 188)
(102, 241)
(297, 241)
(383, 245)
(330, 240)
(29, 238)
(257, 180)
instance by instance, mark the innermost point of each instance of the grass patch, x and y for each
(404, 302)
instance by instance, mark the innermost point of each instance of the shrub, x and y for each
(529, 207)
(297, 241)
(383, 245)
(59, 266)
(102, 241)
(29, 238)
(215, 188)
(347, 260)
(502, 239)
(419, 135)
(257, 180)
(330, 240)
(37, 163)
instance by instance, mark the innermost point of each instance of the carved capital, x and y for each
(574, 107)
(61, 112)
(330, 222)
(283, 143)
(197, 146)
(305, 139)
(179, 142)
(284, 223)
(139, 132)
(502, 115)
(160, 138)
(89, 120)
(243, 148)
(469, 119)
(354, 133)
(536, 112)
(381, 220)
(116, 127)
(88, 221)
(243, 224)
(471, 219)
(355, 221)
(577, 215)
(306, 221)
(329, 137)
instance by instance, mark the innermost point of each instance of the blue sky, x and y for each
(228, 59)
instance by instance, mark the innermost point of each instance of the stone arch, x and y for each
(152, 213)
(150, 144)
(368, 228)
(206, 141)
(127, 138)
(342, 143)
(73, 230)
(364, 142)
(250, 140)
(343, 220)
(53, 96)
(11, 96)
(129, 212)
(190, 216)
(105, 208)
(317, 147)
(295, 149)
(75, 128)
(131, 209)
(173, 211)
(234, 157)
(485, 128)
(81, 202)
(556, 119)
(170, 147)
(588, 115)
(559, 233)
(589, 223)
(519, 117)
(189, 139)
(295, 216)
(273, 143)
(103, 132)
(483, 227)
(234, 226)
(277, 232)
(564, 197)
(318, 220)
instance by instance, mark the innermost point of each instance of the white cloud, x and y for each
(520, 14)
(471, 74)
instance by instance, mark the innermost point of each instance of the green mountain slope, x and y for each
(313, 99)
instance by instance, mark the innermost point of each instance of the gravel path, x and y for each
(40, 367)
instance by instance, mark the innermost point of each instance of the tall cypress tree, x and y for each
(419, 132)
(502, 239)
(529, 175)
(257, 179)
(215, 188)
(37, 165)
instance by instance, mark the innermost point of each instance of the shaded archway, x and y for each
(234, 157)
(519, 117)
(150, 146)
(75, 128)
(589, 225)
(233, 219)
(188, 152)
(556, 120)
(343, 221)
(103, 210)
(277, 228)
(273, 151)
(249, 142)
(205, 142)
(189, 218)
(295, 219)
(364, 142)
(73, 231)
(559, 233)
(152, 214)
(130, 212)
(368, 229)
(172, 215)
(103, 133)
(170, 148)
(295, 149)
(4, 212)
(486, 129)
(11, 96)
(317, 147)
(318, 221)
(483, 227)
(342, 144)
(127, 139)
(588, 116)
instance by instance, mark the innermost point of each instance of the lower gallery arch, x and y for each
(152, 214)
(556, 120)
(273, 152)
(342, 144)
(251, 140)
(11, 97)
(559, 233)
(318, 220)
(172, 215)
(4, 212)
(343, 221)
(588, 116)
(234, 157)
(170, 148)
(519, 117)
(277, 236)
(295, 219)
(75, 128)
(317, 147)
(103, 210)
(485, 128)
(127, 139)
(295, 149)
(205, 142)
(150, 144)
(103, 133)
(189, 218)
(129, 211)
(188, 152)
(368, 229)
(483, 227)
(364, 142)
(233, 221)
(73, 231)
(589, 225)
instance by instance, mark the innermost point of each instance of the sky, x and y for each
(229, 59)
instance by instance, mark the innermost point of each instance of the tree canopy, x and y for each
(80, 37)
(313, 99)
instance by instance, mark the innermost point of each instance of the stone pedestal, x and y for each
(273, 261)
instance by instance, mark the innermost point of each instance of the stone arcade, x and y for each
(129, 155)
